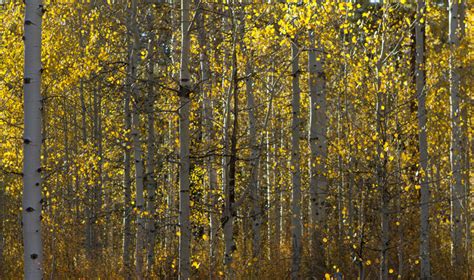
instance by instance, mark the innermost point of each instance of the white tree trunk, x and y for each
(318, 148)
(32, 139)
(150, 162)
(423, 143)
(127, 185)
(208, 120)
(255, 212)
(184, 112)
(137, 148)
(295, 165)
(466, 151)
(457, 186)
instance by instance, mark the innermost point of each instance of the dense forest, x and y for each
(232, 139)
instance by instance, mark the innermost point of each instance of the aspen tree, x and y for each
(274, 161)
(136, 141)
(422, 141)
(255, 211)
(2, 225)
(184, 143)
(381, 160)
(231, 162)
(127, 183)
(150, 162)
(295, 164)
(457, 185)
(32, 139)
(467, 145)
(318, 146)
(206, 87)
(366, 179)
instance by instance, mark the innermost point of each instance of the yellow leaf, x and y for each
(205, 237)
(196, 264)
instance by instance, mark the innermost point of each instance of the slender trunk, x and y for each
(225, 150)
(318, 148)
(423, 143)
(184, 112)
(96, 195)
(150, 162)
(361, 231)
(255, 212)
(89, 227)
(127, 186)
(2, 225)
(32, 139)
(381, 163)
(274, 162)
(278, 204)
(170, 199)
(208, 120)
(466, 151)
(457, 185)
(136, 141)
(139, 182)
(399, 186)
(229, 192)
(295, 164)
